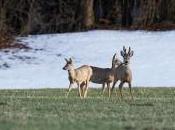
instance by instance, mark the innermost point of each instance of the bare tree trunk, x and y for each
(2, 16)
(88, 13)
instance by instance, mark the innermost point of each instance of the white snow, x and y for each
(153, 63)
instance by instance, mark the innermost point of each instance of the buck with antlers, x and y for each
(123, 71)
(105, 75)
(80, 75)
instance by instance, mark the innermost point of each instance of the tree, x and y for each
(88, 13)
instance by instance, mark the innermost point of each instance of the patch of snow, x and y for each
(152, 64)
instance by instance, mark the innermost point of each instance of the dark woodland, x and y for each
(24, 17)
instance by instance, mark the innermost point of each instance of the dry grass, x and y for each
(8, 41)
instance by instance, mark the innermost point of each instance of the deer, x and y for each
(80, 75)
(123, 71)
(105, 75)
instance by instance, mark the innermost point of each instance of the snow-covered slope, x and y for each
(153, 63)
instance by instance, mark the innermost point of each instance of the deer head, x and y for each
(126, 55)
(115, 61)
(69, 64)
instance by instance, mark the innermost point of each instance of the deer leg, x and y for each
(70, 87)
(130, 90)
(120, 88)
(113, 85)
(86, 89)
(79, 89)
(82, 88)
(103, 88)
(109, 90)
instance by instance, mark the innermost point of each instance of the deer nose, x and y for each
(126, 62)
(64, 68)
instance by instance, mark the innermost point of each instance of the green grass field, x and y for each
(49, 109)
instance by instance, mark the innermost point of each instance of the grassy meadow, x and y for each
(49, 109)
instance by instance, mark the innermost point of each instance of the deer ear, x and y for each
(113, 59)
(114, 56)
(70, 59)
(122, 53)
(66, 60)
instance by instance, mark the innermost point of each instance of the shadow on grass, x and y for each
(3, 103)
(142, 104)
(129, 128)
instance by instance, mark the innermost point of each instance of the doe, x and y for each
(80, 75)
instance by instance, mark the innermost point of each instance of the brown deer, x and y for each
(80, 75)
(105, 75)
(123, 71)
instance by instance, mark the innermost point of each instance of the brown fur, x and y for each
(105, 75)
(123, 71)
(80, 75)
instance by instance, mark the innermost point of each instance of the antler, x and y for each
(129, 51)
(124, 49)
